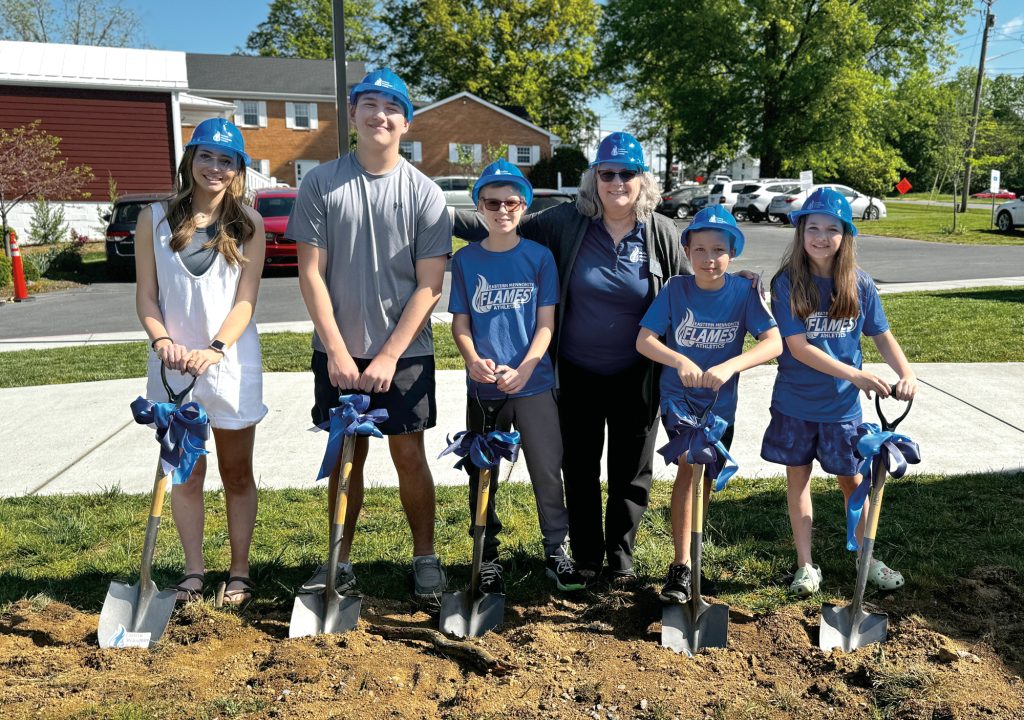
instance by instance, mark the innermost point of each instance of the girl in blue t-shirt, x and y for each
(704, 319)
(503, 296)
(823, 303)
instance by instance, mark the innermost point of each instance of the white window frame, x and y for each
(291, 115)
(240, 113)
(520, 159)
(412, 150)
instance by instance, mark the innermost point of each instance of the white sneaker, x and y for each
(806, 581)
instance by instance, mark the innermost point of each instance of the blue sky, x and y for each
(221, 26)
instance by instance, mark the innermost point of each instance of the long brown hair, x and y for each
(803, 296)
(234, 226)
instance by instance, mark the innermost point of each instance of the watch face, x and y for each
(217, 345)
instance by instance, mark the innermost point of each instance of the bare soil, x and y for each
(596, 657)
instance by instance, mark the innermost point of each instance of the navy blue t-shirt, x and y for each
(708, 327)
(609, 291)
(501, 292)
(800, 390)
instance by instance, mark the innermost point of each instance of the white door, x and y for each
(302, 167)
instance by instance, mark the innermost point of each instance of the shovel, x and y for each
(329, 611)
(697, 624)
(851, 627)
(472, 613)
(137, 615)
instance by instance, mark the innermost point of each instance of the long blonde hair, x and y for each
(234, 225)
(588, 202)
(803, 297)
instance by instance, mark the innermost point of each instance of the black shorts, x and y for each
(410, 401)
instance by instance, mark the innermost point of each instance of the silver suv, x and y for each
(752, 203)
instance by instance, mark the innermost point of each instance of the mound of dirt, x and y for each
(567, 659)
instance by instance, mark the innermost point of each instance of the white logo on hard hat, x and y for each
(619, 151)
(381, 82)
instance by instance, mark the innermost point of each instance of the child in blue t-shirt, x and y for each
(704, 319)
(823, 303)
(503, 296)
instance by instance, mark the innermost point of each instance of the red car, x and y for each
(1001, 195)
(275, 205)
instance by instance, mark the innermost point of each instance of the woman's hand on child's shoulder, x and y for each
(869, 382)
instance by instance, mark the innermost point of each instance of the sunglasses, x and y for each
(495, 205)
(623, 175)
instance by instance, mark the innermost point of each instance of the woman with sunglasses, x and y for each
(613, 254)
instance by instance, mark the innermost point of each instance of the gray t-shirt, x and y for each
(375, 228)
(196, 258)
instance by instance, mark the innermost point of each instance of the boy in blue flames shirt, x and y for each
(704, 318)
(503, 296)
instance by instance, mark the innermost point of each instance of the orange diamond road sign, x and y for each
(903, 186)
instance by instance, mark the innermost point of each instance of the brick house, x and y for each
(284, 106)
(465, 119)
(114, 109)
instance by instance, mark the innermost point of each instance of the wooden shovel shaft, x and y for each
(348, 447)
(696, 535)
(156, 507)
(483, 495)
(868, 543)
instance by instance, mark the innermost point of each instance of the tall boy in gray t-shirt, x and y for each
(373, 237)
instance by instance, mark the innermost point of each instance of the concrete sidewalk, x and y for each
(80, 438)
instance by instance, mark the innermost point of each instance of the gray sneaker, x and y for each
(428, 578)
(345, 580)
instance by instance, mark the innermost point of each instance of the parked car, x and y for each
(275, 205)
(456, 190)
(120, 241)
(756, 196)
(1010, 215)
(676, 204)
(724, 193)
(863, 206)
(1001, 195)
(544, 198)
(698, 203)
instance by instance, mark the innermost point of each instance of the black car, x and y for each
(120, 244)
(544, 198)
(679, 203)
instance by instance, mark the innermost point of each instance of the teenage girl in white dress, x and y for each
(198, 259)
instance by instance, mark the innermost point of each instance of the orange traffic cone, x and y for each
(18, 271)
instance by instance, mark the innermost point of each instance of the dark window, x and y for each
(128, 212)
(275, 206)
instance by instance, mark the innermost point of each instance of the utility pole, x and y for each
(990, 20)
(341, 76)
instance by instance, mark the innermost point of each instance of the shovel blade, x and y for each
(134, 615)
(682, 633)
(462, 618)
(841, 629)
(323, 613)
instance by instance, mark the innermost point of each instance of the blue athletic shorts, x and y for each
(793, 442)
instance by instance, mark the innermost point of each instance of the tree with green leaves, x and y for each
(797, 81)
(74, 22)
(304, 29)
(538, 54)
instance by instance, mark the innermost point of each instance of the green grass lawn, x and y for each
(70, 547)
(976, 325)
(934, 223)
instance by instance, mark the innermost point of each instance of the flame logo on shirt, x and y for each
(705, 335)
(502, 296)
(819, 326)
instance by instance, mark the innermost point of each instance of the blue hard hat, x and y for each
(384, 81)
(504, 173)
(621, 148)
(716, 217)
(222, 135)
(827, 202)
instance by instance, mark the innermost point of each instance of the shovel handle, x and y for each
(887, 424)
(483, 496)
(156, 506)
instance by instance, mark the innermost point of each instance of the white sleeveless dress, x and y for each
(194, 308)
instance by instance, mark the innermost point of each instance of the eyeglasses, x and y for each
(495, 205)
(623, 175)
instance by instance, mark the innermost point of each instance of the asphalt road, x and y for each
(110, 307)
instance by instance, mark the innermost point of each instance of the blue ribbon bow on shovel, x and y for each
(483, 450)
(897, 452)
(700, 440)
(349, 418)
(181, 431)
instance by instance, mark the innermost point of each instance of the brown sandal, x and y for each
(191, 594)
(239, 597)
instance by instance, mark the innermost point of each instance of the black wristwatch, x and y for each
(218, 346)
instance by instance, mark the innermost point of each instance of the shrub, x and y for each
(31, 265)
(47, 225)
(5, 270)
(568, 160)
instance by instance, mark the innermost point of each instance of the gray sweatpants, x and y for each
(536, 419)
